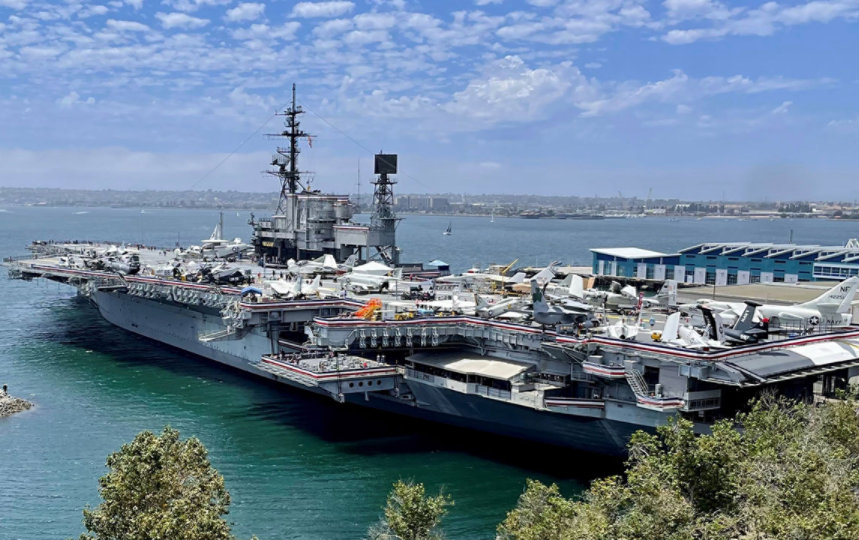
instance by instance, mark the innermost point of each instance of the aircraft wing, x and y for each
(577, 306)
(789, 316)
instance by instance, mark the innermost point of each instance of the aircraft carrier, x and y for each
(525, 356)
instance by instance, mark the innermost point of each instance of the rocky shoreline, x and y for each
(10, 405)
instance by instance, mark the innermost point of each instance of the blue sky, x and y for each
(689, 98)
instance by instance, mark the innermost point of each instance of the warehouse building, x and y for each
(729, 263)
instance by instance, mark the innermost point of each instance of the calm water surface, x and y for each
(296, 466)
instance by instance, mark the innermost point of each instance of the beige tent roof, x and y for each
(462, 362)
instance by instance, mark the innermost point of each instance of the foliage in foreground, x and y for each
(791, 472)
(160, 487)
(410, 514)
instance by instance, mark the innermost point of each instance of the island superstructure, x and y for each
(308, 223)
(526, 355)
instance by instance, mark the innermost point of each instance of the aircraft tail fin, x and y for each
(398, 273)
(667, 295)
(351, 261)
(840, 295)
(545, 275)
(713, 327)
(746, 319)
(537, 296)
(630, 291)
(577, 287)
(672, 325)
(519, 277)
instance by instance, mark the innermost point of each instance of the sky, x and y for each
(695, 99)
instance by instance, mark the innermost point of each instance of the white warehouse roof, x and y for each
(630, 252)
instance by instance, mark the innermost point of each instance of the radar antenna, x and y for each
(383, 222)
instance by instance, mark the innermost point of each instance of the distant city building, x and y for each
(421, 203)
(732, 263)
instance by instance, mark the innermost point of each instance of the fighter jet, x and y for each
(295, 289)
(831, 308)
(325, 264)
(125, 264)
(686, 336)
(615, 299)
(488, 310)
(369, 277)
(549, 315)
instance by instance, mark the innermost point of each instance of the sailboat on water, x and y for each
(448, 232)
(492, 216)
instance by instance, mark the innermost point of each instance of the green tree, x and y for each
(791, 472)
(410, 514)
(160, 487)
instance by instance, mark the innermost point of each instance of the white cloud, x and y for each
(91, 11)
(247, 11)
(783, 108)
(240, 97)
(265, 32)
(487, 2)
(136, 4)
(681, 89)
(322, 9)
(180, 20)
(509, 90)
(40, 52)
(14, 4)
(762, 21)
(73, 98)
(374, 21)
(574, 22)
(194, 5)
(697, 9)
(126, 26)
(334, 27)
(845, 124)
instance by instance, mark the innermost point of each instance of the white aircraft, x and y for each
(491, 310)
(215, 247)
(686, 336)
(495, 274)
(545, 275)
(370, 277)
(324, 264)
(666, 297)
(617, 299)
(297, 288)
(831, 308)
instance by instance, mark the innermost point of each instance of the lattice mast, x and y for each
(383, 222)
(286, 159)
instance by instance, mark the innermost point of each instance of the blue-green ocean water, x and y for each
(297, 466)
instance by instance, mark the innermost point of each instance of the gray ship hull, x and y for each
(445, 406)
(180, 326)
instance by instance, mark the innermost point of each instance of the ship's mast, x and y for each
(286, 159)
(383, 222)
